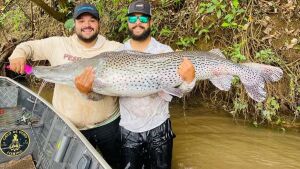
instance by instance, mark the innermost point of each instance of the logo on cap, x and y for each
(86, 8)
(139, 6)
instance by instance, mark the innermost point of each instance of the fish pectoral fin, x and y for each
(173, 91)
(218, 52)
(95, 96)
(222, 82)
(167, 97)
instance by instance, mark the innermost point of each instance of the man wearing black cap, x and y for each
(97, 120)
(146, 133)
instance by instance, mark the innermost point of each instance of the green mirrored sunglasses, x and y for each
(143, 19)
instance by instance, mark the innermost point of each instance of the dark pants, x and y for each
(107, 139)
(148, 150)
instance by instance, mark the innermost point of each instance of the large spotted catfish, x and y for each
(135, 74)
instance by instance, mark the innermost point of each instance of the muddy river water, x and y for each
(207, 138)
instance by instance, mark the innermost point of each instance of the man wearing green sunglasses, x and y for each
(146, 133)
(143, 19)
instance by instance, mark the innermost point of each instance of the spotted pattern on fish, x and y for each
(136, 74)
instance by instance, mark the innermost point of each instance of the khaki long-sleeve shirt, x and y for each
(68, 101)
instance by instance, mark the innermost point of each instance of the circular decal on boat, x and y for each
(14, 142)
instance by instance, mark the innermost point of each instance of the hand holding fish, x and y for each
(85, 80)
(186, 70)
(17, 65)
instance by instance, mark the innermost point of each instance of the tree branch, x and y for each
(61, 17)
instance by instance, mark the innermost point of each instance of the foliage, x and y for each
(229, 19)
(217, 6)
(122, 19)
(239, 106)
(227, 13)
(235, 80)
(166, 31)
(69, 24)
(235, 53)
(113, 18)
(271, 108)
(15, 18)
(200, 31)
(186, 42)
(267, 56)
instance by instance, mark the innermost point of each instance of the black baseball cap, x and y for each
(140, 6)
(85, 8)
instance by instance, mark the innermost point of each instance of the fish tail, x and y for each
(256, 90)
(255, 76)
(269, 73)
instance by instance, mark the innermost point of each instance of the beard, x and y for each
(87, 39)
(142, 36)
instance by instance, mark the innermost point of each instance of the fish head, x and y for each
(55, 74)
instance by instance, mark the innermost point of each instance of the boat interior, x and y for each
(29, 126)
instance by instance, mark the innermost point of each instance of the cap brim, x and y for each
(137, 12)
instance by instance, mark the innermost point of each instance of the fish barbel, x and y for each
(136, 74)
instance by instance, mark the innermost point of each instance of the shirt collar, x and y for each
(99, 43)
(149, 48)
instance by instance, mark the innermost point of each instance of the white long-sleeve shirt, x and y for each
(145, 113)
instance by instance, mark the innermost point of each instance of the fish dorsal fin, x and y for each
(154, 59)
(135, 52)
(217, 52)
